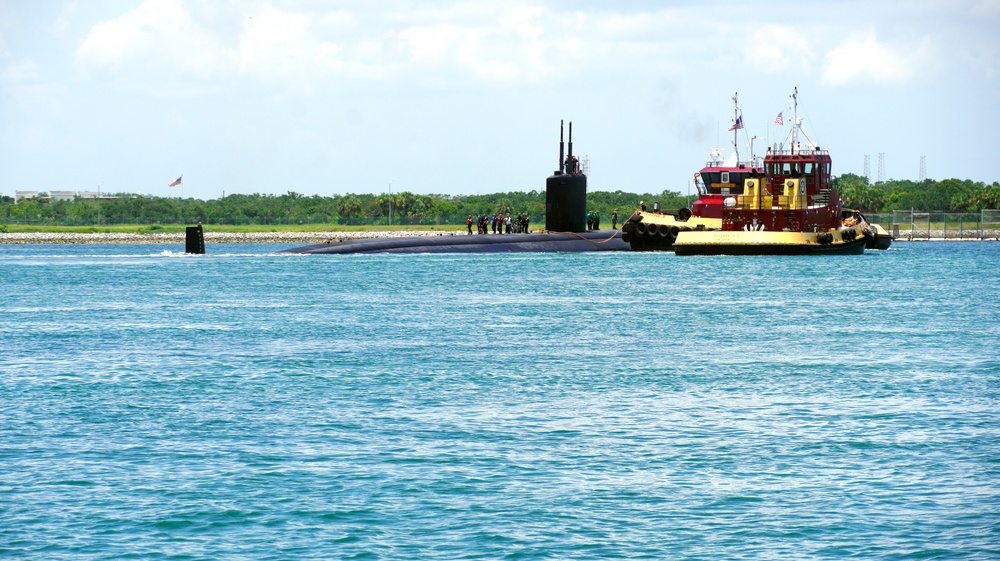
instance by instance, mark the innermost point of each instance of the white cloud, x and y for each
(157, 35)
(300, 45)
(492, 44)
(489, 43)
(66, 16)
(862, 58)
(278, 43)
(779, 48)
(163, 40)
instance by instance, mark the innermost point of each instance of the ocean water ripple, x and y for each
(245, 404)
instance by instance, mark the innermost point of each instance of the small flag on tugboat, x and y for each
(176, 182)
(738, 124)
(778, 120)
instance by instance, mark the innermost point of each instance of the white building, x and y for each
(62, 195)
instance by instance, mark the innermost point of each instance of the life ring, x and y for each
(795, 226)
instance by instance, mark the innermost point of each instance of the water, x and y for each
(247, 405)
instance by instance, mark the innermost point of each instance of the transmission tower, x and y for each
(868, 169)
(881, 167)
(923, 168)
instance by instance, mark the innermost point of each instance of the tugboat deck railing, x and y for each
(798, 152)
(749, 166)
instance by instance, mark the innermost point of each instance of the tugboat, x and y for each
(652, 230)
(792, 208)
(789, 207)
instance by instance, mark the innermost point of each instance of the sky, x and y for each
(466, 97)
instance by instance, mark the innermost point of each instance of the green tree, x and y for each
(857, 194)
(349, 207)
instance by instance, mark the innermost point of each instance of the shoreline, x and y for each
(28, 238)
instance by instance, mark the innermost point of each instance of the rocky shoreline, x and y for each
(328, 237)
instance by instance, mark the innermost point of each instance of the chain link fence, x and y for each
(919, 225)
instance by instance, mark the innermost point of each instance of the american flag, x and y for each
(176, 182)
(778, 120)
(738, 124)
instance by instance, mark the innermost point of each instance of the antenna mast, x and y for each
(562, 162)
(736, 128)
(570, 154)
(795, 118)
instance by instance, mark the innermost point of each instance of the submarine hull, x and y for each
(574, 242)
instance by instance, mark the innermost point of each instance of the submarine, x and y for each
(565, 225)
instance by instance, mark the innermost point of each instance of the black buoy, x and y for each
(566, 192)
(195, 240)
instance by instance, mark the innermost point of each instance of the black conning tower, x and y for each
(566, 192)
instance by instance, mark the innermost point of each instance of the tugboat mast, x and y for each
(736, 126)
(795, 118)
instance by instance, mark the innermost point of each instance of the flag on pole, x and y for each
(778, 120)
(176, 182)
(738, 124)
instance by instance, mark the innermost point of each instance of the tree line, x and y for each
(401, 208)
(948, 195)
(405, 208)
